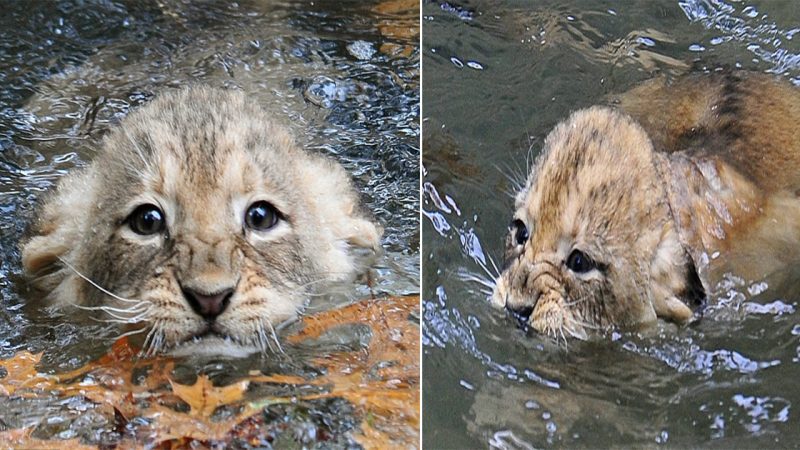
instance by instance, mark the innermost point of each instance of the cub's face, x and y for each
(591, 245)
(200, 225)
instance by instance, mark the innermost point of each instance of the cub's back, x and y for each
(749, 120)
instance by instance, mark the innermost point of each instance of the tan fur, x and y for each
(203, 156)
(685, 170)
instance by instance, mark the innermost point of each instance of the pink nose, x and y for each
(209, 306)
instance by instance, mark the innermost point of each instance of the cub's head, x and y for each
(592, 244)
(200, 224)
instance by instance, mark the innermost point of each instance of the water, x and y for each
(498, 76)
(344, 76)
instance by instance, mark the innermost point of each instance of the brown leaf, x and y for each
(381, 381)
(388, 395)
(21, 438)
(203, 398)
(170, 425)
(21, 373)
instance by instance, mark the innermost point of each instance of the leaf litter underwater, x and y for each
(120, 398)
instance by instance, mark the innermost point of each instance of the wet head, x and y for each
(592, 243)
(200, 225)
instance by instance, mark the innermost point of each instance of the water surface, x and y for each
(498, 76)
(344, 76)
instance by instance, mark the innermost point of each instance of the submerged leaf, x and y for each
(141, 401)
(203, 398)
(21, 373)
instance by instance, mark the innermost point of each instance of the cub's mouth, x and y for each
(211, 331)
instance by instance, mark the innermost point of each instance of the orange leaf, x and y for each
(387, 393)
(381, 381)
(21, 438)
(204, 398)
(21, 373)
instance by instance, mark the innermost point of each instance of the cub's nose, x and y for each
(209, 306)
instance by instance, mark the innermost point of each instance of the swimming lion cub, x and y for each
(635, 212)
(201, 224)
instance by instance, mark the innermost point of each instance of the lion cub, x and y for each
(636, 212)
(200, 224)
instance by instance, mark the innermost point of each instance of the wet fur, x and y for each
(203, 156)
(673, 173)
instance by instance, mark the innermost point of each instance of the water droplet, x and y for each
(646, 41)
(757, 288)
(750, 11)
(531, 404)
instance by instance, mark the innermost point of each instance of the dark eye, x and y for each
(520, 231)
(261, 216)
(146, 219)
(578, 262)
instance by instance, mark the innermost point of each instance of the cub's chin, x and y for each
(214, 346)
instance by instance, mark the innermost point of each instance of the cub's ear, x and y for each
(57, 230)
(364, 239)
(351, 240)
(336, 204)
(41, 253)
(362, 233)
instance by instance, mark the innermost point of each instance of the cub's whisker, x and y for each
(576, 302)
(466, 276)
(105, 308)
(285, 324)
(128, 319)
(258, 339)
(153, 340)
(131, 333)
(584, 324)
(275, 337)
(516, 174)
(485, 269)
(513, 178)
(119, 321)
(263, 340)
(100, 288)
(491, 260)
(563, 338)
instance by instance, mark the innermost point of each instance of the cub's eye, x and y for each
(519, 230)
(261, 216)
(578, 262)
(146, 220)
